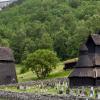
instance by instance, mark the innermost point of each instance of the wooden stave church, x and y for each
(7, 67)
(87, 69)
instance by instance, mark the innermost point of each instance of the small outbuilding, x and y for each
(70, 64)
(7, 67)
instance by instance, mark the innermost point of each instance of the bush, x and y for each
(42, 62)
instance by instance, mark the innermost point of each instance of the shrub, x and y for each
(42, 62)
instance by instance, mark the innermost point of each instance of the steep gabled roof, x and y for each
(6, 54)
(83, 48)
(96, 39)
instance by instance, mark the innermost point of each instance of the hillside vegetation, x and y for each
(29, 76)
(59, 25)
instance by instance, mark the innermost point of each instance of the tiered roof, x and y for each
(86, 72)
(88, 64)
(85, 59)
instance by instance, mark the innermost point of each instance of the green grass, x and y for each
(28, 76)
(45, 90)
(59, 74)
(34, 89)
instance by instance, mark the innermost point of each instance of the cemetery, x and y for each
(54, 87)
(51, 87)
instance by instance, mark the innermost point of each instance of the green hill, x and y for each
(61, 25)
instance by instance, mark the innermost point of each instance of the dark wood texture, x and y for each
(7, 67)
(87, 69)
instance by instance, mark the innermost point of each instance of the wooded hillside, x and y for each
(59, 25)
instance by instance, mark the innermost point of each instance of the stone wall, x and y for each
(48, 82)
(29, 96)
(7, 95)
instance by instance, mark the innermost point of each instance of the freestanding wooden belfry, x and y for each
(87, 70)
(7, 67)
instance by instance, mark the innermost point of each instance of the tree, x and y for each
(60, 45)
(74, 3)
(4, 42)
(42, 62)
(17, 44)
(93, 23)
(45, 42)
(59, 25)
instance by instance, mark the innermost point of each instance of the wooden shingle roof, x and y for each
(86, 72)
(6, 54)
(96, 39)
(83, 48)
(97, 72)
(84, 61)
(83, 72)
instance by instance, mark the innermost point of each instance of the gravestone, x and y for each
(91, 92)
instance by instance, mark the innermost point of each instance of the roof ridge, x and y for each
(95, 38)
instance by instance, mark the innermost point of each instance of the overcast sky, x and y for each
(4, 0)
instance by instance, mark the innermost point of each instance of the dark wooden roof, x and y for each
(97, 72)
(97, 59)
(88, 65)
(84, 61)
(83, 72)
(86, 72)
(71, 63)
(6, 54)
(83, 48)
(96, 39)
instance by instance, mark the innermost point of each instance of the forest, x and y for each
(58, 25)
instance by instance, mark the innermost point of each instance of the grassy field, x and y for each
(28, 76)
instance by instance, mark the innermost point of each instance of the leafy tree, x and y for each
(42, 62)
(45, 42)
(59, 25)
(60, 45)
(4, 42)
(17, 45)
(29, 46)
(74, 3)
(93, 23)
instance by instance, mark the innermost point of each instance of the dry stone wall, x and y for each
(48, 82)
(7, 95)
